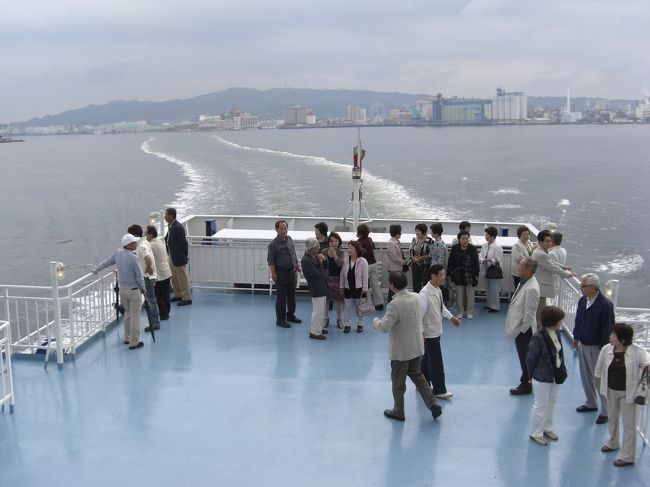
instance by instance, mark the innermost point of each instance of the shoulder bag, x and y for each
(365, 307)
(494, 271)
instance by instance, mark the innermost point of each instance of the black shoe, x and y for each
(324, 332)
(522, 390)
(389, 414)
(359, 329)
(436, 411)
(174, 299)
(493, 310)
(282, 324)
(346, 329)
(164, 318)
(601, 419)
(379, 307)
(185, 303)
(293, 319)
(339, 324)
(585, 409)
(139, 345)
(317, 337)
(126, 342)
(154, 327)
(622, 463)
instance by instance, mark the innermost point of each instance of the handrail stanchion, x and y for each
(57, 314)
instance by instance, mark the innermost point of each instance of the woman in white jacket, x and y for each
(354, 283)
(619, 368)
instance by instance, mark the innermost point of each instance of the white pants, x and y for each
(373, 279)
(618, 407)
(541, 417)
(318, 315)
(349, 308)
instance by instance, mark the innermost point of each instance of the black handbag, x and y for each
(641, 393)
(494, 271)
(560, 373)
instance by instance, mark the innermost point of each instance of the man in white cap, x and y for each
(131, 283)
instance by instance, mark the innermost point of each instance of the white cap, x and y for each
(128, 239)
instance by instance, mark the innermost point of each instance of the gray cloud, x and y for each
(67, 54)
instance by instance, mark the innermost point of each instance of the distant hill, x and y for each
(268, 104)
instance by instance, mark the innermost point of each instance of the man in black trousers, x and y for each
(283, 263)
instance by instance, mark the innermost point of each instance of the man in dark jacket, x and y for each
(178, 256)
(594, 320)
(283, 264)
(313, 268)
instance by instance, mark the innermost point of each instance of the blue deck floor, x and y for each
(224, 398)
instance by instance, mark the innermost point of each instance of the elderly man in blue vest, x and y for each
(403, 320)
(594, 320)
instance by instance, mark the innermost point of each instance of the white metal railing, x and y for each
(567, 294)
(58, 318)
(7, 389)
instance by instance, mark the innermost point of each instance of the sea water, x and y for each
(70, 198)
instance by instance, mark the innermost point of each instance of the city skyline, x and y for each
(70, 54)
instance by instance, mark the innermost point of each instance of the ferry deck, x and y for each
(225, 398)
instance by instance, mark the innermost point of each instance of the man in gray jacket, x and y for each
(521, 319)
(403, 320)
(313, 269)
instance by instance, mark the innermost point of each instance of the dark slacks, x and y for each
(521, 343)
(399, 371)
(285, 302)
(417, 273)
(432, 367)
(162, 289)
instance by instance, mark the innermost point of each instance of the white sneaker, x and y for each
(470, 317)
(540, 440)
(459, 316)
(446, 396)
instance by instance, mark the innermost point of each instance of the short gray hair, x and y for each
(591, 279)
(310, 243)
(530, 264)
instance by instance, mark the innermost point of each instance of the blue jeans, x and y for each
(150, 296)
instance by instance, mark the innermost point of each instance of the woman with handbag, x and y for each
(354, 283)
(420, 257)
(491, 259)
(619, 368)
(545, 363)
(463, 269)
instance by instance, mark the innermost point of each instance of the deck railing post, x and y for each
(56, 305)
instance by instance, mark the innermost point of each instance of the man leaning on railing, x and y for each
(131, 283)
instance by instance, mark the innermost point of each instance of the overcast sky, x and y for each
(64, 54)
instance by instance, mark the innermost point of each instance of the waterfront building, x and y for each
(507, 107)
(296, 115)
(457, 111)
(357, 114)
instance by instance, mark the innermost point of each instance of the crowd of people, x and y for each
(347, 281)
(151, 267)
(610, 364)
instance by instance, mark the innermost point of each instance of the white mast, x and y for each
(568, 100)
(356, 203)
